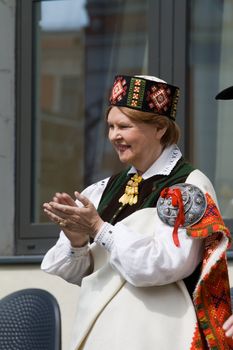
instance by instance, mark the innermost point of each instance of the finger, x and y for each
(84, 200)
(63, 210)
(56, 219)
(55, 199)
(228, 323)
(229, 333)
(64, 224)
(47, 206)
(64, 198)
(58, 198)
(50, 208)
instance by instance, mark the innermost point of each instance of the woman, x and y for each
(158, 235)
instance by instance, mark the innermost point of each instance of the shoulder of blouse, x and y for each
(199, 179)
(94, 191)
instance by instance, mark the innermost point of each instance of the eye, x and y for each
(110, 126)
(125, 126)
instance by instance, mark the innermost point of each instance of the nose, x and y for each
(114, 134)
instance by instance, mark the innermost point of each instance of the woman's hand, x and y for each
(79, 223)
(228, 327)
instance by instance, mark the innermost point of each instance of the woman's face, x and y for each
(136, 143)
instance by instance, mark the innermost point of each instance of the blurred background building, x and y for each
(57, 63)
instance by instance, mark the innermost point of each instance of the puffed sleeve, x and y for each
(142, 248)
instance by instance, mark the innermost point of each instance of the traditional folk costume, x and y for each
(156, 275)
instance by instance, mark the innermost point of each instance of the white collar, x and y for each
(164, 164)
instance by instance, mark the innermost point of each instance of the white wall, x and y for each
(17, 277)
(7, 123)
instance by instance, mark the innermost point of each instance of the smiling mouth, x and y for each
(122, 148)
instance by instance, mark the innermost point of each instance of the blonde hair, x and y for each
(172, 134)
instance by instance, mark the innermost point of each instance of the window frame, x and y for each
(167, 57)
(33, 238)
(30, 238)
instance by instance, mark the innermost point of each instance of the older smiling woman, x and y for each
(151, 278)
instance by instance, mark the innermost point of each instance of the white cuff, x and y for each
(76, 252)
(105, 236)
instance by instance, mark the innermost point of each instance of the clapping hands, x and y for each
(79, 220)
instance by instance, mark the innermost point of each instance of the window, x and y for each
(67, 54)
(210, 71)
(69, 51)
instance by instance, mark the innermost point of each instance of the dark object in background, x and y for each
(30, 320)
(226, 94)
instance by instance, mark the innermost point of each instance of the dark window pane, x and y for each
(211, 70)
(78, 47)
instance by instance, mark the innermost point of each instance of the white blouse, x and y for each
(141, 259)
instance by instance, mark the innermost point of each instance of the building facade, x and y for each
(57, 68)
(57, 63)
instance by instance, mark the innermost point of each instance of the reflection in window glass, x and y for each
(79, 45)
(210, 71)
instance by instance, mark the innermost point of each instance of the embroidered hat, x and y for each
(146, 94)
(226, 94)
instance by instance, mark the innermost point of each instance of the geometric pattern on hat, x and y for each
(145, 95)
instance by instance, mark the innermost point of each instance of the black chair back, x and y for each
(30, 320)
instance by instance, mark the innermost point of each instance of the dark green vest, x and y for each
(149, 191)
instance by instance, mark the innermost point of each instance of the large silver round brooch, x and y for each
(194, 204)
